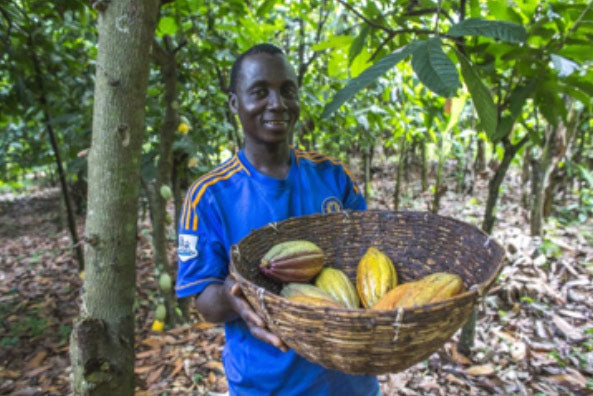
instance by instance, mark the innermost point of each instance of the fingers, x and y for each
(266, 336)
(255, 324)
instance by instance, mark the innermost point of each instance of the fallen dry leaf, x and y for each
(37, 360)
(480, 370)
(567, 329)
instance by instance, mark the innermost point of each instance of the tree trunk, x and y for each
(494, 184)
(165, 58)
(366, 156)
(61, 174)
(551, 153)
(398, 175)
(424, 165)
(102, 340)
(480, 164)
(439, 188)
(525, 177)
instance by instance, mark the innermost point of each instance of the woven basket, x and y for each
(361, 341)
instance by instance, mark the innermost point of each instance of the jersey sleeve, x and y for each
(201, 256)
(352, 195)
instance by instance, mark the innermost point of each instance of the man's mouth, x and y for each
(276, 122)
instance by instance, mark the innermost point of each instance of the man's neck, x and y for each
(271, 160)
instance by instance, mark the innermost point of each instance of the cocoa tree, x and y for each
(102, 339)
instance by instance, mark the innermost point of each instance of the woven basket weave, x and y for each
(361, 341)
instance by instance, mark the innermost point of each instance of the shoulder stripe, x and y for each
(316, 157)
(213, 173)
(213, 181)
(203, 190)
(200, 191)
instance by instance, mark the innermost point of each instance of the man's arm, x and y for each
(222, 303)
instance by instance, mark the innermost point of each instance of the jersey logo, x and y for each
(188, 247)
(331, 205)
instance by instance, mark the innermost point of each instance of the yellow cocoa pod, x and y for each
(336, 283)
(293, 261)
(303, 289)
(375, 276)
(449, 285)
(431, 288)
(389, 300)
(316, 301)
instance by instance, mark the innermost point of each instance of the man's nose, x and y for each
(276, 101)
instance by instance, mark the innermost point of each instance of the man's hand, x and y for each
(234, 295)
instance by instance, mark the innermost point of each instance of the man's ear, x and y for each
(233, 103)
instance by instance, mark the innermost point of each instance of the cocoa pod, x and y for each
(319, 302)
(303, 289)
(431, 288)
(336, 283)
(293, 261)
(389, 300)
(375, 276)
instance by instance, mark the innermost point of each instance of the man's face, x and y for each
(266, 98)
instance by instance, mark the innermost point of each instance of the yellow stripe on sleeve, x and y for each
(186, 214)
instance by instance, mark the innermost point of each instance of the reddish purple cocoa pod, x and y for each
(293, 261)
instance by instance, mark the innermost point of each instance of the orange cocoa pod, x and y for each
(431, 288)
(375, 276)
(390, 300)
(316, 301)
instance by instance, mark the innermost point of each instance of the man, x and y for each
(267, 181)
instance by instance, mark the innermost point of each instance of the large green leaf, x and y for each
(501, 30)
(481, 97)
(367, 77)
(434, 68)
(358, 43)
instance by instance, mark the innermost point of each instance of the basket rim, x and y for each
(476, 291)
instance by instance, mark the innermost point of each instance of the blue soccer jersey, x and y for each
(220, 209)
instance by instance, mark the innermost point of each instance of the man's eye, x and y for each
(260, 92)
(290, 92)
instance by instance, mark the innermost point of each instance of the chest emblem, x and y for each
(331, 205)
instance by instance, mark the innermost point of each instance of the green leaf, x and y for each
(265, 8)
(519, 96)
(167, 26)
(501, 30)
(481, 97)
(367, 77)
(434, 68)
(358, 43)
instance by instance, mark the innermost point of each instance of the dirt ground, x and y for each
(534, 334)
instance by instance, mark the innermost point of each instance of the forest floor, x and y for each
(534, 334)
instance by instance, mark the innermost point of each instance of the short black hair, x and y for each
(264, 48)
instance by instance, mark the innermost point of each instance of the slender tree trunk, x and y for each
(553, 149)
(366, 156)
(165, 58)
(61, 174)
(439, 188)
(424, 165)
(102, 340)
(398, 174)
(494, 184)
(480, 164)
(525, 178)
